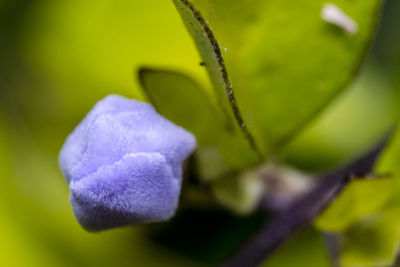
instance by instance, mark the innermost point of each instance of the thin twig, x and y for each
(273, 233)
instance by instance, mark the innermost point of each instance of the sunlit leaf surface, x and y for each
(274, 53)
(356, 119)
(372, 243)
(361, 197)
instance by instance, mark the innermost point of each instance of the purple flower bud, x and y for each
(123, 164)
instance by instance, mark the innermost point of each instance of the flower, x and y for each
(123, 164)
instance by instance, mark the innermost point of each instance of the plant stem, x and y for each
(275, 232)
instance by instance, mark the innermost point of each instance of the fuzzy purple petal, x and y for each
(123, 163)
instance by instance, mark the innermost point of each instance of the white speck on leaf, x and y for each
(334, 15)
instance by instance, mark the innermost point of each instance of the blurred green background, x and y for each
(57, 58)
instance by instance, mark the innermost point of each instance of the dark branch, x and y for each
(273, 233)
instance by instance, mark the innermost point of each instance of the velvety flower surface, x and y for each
(123, 164)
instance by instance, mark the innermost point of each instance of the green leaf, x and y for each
(284, 62)
(360, 198)
(179, 98)
(305, 250)
(387, 44)
(389, 163)
(375, 241)
(211, 54)
(357, 119)
(372, 243)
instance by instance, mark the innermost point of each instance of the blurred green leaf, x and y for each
(305, 250)
(360, 198)
(389, 163)
(183, 101)
(285, 63)
(373, 242)
(386, 47)
(356, 119)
